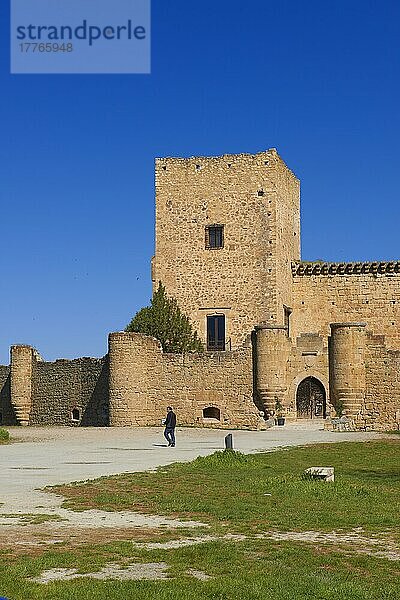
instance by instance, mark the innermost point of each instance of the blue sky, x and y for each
(317, 80)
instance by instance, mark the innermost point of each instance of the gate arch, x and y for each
(311, 399)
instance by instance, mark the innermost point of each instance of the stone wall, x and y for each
(144, 381)
(381, 408)
(60, 387)
(64, 392)
(22, 359)
(256, 199)
(308, 357)
(7, 412)
(327, 293)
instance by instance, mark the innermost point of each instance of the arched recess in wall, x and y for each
(212, 412)
(310, 399)
(301, 377)
(75, 415)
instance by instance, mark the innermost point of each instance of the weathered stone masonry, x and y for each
(131, 386)
(144, 381)
(316, 338)
(64, 392)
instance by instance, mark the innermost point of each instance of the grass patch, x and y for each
(228, 491)
(262, 491)
(4, 436)
(32, 518)
(246, 570)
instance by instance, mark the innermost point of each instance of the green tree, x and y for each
(164, 320)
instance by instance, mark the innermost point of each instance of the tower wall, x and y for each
(256, 199)
(272, 349)
(135, 367)
(347, 367)
(21, 382)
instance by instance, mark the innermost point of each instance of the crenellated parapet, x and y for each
(345, 268)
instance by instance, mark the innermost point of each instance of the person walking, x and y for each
(170, 424)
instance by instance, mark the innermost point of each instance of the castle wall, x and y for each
(144, 381)
(22, 358)
(272, 350)
(347, 292)
(256, 199)
(64, 385)
(381, 406)
(308, 357)
(6, 410)
(36, 392)
(347, 367)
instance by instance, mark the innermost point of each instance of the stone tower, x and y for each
(227, 230)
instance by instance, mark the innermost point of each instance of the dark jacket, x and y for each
(170, 421)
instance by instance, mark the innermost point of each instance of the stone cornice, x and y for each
(348, 268)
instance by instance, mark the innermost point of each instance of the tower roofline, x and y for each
(188, 159)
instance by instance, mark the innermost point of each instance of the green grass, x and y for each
(231, 488)
(227, 490)
(4, 436)
(32, 518)
(245, 570)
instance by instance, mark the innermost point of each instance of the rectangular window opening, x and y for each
(216, 332)
(214, 236)
(287, 312)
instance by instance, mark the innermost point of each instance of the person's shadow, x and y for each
(160, 445)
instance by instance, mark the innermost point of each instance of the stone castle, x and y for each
(308, 339)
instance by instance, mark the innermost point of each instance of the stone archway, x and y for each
(311, 399)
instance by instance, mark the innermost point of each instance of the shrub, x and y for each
(4, 435)
(165, 321)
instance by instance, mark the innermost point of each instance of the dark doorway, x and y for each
(212, 412)
(216, 332)
(311, 399)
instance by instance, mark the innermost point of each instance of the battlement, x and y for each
(345, 268)
(196, 164)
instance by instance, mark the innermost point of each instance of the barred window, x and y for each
(214, 236)
(216, 332)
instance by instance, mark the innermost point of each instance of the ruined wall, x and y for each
(329, 292)
(256, 199)
(144, 381)
(64, 385)
(7, 413)
(36, 392)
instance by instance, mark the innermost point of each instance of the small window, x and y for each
(76, 415)
(216, 332)
(212, 412)
(287, 312)
(214, 236)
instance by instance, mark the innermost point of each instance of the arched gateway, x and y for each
(311, 399)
